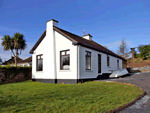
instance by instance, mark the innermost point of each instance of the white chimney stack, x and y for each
(88, 37)
(49, 49)
(53, 22)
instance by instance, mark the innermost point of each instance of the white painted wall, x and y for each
(39, 50)
(62, 43)
(93, 73)
(48, 57)
(46, 47)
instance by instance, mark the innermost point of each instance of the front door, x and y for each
(99, 63)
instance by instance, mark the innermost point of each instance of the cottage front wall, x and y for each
(39, 50)
(61, 43)
(93, 73)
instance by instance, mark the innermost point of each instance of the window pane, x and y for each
(63, 53)
(86, 53)
(40, 65)
(67, 52)
(39, 57)
(88, 63)
(65, 62)
(89, 54)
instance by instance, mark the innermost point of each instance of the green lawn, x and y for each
(88, 97)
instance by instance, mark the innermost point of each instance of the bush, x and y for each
(128, 59)
(137, 61)
(138, 56)
(11, 72)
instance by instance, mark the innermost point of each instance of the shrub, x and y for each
(128, 59)
(137, 61)
(148, 58)
(137, 55)
(11, 72)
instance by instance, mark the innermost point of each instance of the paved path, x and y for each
(141, 80)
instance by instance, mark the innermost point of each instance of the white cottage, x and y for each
(63, 57)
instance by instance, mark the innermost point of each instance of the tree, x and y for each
(15, 44)
(133, 52)
(123, 49)
(144, 51)
(139, 46)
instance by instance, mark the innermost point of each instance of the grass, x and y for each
(88, 97)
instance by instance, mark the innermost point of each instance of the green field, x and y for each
(88, 97)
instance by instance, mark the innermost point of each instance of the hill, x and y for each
(138, 62)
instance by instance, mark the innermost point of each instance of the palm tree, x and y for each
(7, 43)
(17, 43)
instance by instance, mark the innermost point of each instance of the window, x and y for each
(88, 60)
(118, 63)
(39, 59)
(65, 60)
(108, 60)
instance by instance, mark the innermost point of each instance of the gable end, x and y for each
(38, 42)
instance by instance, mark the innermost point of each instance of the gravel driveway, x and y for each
(141, 80)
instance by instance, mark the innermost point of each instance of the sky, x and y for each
(108, 21)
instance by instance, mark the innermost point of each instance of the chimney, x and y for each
(49, 45)
(88, 37)
(53, 22)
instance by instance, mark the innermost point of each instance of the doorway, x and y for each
(99, 63)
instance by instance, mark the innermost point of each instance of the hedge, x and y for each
(12, 71)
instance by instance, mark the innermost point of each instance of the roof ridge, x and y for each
(25, 60)
(72, 34)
